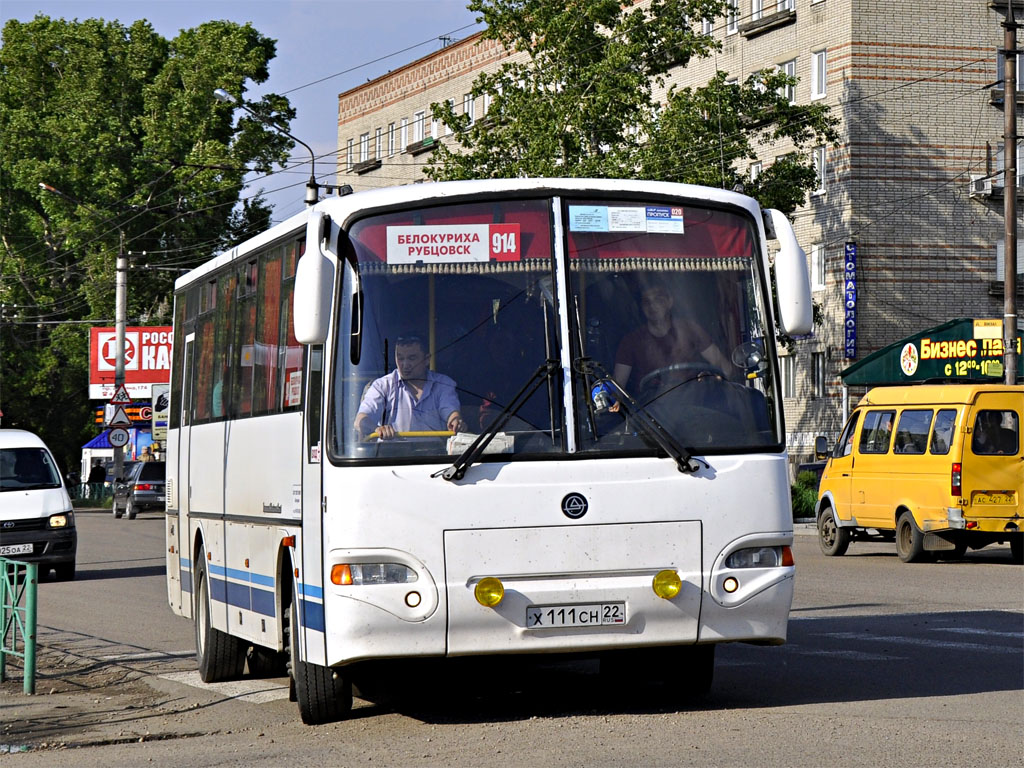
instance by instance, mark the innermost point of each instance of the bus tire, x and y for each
(909, 540)
(219, 655)
(324, 695)
(833, 540)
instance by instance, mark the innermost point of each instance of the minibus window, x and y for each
(874, 438)
(912, 432)
(995, 433)
(942, 435)
(845, 445)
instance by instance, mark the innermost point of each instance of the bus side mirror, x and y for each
(792, 283)
(314, 284)
(820, 447)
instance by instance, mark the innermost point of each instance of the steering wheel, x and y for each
(421, 433)
(696, 368)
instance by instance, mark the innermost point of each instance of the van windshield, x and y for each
(27, 469)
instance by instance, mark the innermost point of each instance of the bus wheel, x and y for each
(833, 540)
(218, 655)
(324, 695)
(909, 540)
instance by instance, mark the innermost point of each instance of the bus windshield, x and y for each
(451, 324)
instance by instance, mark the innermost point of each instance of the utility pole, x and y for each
(120, 315)
(1010, 196)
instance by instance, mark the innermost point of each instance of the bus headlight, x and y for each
(363, 574)
(760, 557)
(666, 584)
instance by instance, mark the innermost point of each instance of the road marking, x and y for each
(903, 639)
(978, 631)
(253, 691)
(849, 655)
(148, 655)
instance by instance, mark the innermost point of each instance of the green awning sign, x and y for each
(964, 349)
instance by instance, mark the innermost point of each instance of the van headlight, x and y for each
(760, 557)
(63, 520)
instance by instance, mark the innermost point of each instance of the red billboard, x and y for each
(147, 360)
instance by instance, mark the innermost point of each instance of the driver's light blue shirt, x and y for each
(389, 400)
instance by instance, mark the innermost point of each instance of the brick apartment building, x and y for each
(911, 188)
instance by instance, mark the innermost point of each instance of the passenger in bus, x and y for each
(411, 398)
(663, 340)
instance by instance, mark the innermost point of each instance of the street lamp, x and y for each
(312, 188)
(120, 311)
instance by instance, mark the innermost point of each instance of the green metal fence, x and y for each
(18, 583)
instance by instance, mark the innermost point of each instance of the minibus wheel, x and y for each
(833, 540)
(1017, 548)
(909, 540)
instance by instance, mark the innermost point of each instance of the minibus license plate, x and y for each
(16, 549)
(993, 498)
(575, 615)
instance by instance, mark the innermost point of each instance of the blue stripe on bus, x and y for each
(263, 602)
(186, 581)
(313, 615)
(311, 590)
(243, 596)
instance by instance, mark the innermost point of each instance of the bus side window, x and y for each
(875, 436)
(942, 434)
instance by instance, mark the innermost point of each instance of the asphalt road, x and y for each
(888, 664)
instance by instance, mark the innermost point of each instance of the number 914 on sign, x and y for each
(575, 615)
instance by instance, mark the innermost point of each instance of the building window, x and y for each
(418, 120)
(469, 107)
(488, 99)
(817, 374)
(818, 71)
(818, 153)
(788, 92)
(755, 170)
(786, 5)
(403, 133)
(1001, 70)
(817, 267)
(756, 9)
(378, 144)
(707, 26)
(435, 126)
(351, 153)
(391, 139)
(364, 147)
(788, 364)
(732, 20)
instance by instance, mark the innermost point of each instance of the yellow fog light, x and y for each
(730, 585)
(489, 592)
(667, 584)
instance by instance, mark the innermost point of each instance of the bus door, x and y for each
(992, 474)
(183, 479)
(310, 600)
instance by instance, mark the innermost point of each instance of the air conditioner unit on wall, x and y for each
(981, 186)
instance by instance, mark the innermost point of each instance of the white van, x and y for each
(37, 523)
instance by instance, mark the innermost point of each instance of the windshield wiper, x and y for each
(458, 469)
(641, 417)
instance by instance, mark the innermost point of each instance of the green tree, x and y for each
(581, 102)
(123, 123)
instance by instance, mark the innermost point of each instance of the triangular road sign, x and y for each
(120, 397)
(120, 418)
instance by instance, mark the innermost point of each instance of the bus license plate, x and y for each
(575, 615)
(993, 498)
(16, 549)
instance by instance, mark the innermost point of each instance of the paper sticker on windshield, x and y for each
(452, 243)
(610, 218)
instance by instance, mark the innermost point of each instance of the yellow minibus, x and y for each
(937, 467)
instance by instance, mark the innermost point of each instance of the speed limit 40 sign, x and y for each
(118, 437)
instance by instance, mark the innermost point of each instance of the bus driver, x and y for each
(411, 397)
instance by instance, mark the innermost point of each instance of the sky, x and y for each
(324, 47)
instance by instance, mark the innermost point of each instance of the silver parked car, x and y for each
(143, 488)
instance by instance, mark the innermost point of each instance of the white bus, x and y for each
(614, 477)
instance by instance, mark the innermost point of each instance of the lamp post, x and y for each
(312, 188)
(120, 311)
